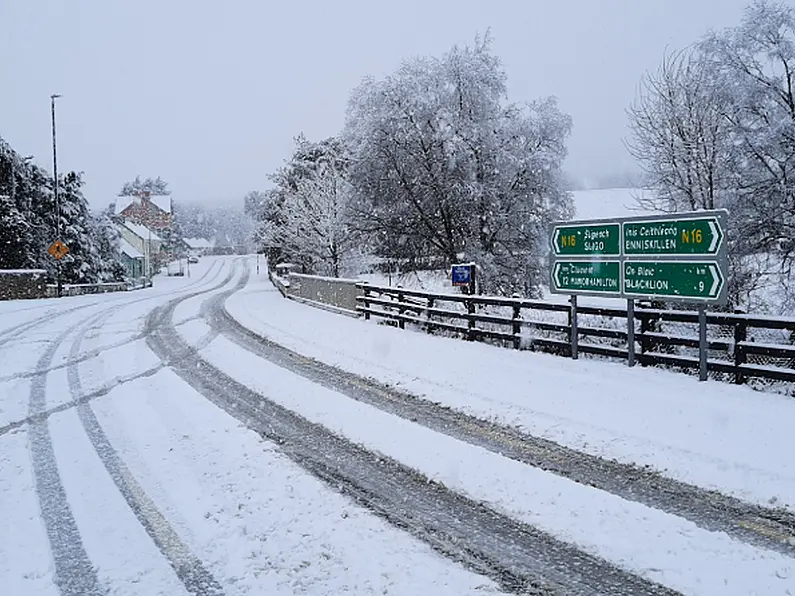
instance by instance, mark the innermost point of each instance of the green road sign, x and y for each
(671, 237)
(682, 280)
(587, 240)
(621, 257)
(598, 277)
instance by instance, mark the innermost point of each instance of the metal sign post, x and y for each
(575, 332)
(630, 333)
(703, 345)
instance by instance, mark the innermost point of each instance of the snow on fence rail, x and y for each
(742, 347)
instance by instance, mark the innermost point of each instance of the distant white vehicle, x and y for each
(175, 269)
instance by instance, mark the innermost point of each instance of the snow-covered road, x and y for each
(116, 477)
(194, 438)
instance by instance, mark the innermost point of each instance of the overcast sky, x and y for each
(209, 94)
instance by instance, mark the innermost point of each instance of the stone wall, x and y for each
(332, 291)
(82, 289)
(19, 284)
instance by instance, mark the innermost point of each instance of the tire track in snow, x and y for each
(19, 329)
(11, 333)
(189, 569)
(104, 390)
(519, 557)
(74, 360)
(74, 574)
(769, 528)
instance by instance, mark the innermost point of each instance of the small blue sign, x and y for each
(462, 275)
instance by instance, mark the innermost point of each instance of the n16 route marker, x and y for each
(586, 240)
(587, 276)
(681, 280)
(673, 237)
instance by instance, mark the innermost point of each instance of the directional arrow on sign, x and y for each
(682, 280)
(716, 234)
(689, 236)
(717, 281)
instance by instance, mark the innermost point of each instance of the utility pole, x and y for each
(55, 188)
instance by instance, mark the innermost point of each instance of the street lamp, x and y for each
(55, 186)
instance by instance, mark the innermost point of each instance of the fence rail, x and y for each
(741, 348)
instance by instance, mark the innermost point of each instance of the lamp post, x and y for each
(55, 188)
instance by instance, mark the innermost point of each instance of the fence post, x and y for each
(517, 325)
(428, 326)
(401, 310)
(471, 321)
(644, 329)
(630, 332)
(703, 346)
(574, 333)
(740, 335)
(366, 290)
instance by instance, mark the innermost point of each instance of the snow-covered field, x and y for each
(118, 475)
(605, 203)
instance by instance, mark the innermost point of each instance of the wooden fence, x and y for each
(740, 347)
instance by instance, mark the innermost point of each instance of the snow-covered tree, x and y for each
(309, 161)
(445, 167)
(316, 218)
(192, 220)
(17, 221)
(106, 242)
(156, 186)
(757, 62)
(228, 225)
(715, 128)
(680, 135)
(28, 223)
(83, 264)
(683, 140)
(15, 236)
(255, 203)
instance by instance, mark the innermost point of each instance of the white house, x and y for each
(132, 259)
(143, 239)
(197, 246)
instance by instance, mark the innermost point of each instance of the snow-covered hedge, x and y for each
(16, 284)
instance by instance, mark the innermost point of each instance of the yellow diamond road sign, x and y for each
(58, 249)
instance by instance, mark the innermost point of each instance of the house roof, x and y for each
(162, 202)
(129, 250)
(142, 232)
(197, 243)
